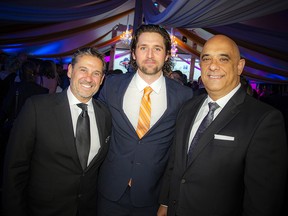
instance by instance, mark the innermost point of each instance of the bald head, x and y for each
(221, 66)
(222, 40)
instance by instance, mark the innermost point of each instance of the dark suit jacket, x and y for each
(244, 176)
(43, 175)
(144, 160)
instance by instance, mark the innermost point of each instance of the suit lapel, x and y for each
(120, 98)
(100, 122)
(171, 98)
(63, 117)
(225, 116)
(187, 123)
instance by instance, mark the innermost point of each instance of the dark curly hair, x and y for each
(168, 65)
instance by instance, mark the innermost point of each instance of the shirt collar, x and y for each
(224, 100)
(73, 100)
(156, 85)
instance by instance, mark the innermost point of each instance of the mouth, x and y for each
(149, 61)
(215, 76)
(86, 86)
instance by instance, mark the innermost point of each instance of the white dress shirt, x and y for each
(75, 112)
(133, 96)
(205, 109)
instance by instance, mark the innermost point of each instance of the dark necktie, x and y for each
(204, 124)
(83, 135)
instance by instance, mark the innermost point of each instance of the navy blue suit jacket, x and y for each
(143, 160)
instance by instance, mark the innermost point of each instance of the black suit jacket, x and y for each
(242, 172)
(43, 175)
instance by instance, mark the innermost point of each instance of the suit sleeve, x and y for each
(165, 188)
(17, 162)
(102, 92)
(266, 167)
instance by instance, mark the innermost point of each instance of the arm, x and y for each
(165, 188)
(266, 167)
(17, 162)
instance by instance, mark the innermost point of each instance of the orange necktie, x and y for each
(145, 113)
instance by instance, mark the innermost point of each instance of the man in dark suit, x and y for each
(130, 177)
(43, 174)
(238, 165)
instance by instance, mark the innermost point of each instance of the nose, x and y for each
(88, 77)
(214, 65)
(150, 53)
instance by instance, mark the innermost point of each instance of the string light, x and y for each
(173, 45)
(126, 36)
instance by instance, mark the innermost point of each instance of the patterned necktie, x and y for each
(204, 124)
(145, 113)
(83, 135)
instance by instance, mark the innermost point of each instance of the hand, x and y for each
(162, 211)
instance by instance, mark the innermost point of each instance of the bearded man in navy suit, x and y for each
(131, 175)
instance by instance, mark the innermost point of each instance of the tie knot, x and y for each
(147, 90)
(213, 106)
(83, 106)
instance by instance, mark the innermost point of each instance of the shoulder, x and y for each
(176, 89)
(100, 106)
(49, 100)
(118, 78)
(258, 106)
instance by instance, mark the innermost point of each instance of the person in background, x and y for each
(235, 162)
(47, 76)
(47, 170)
(201, 88)
(16, 97)
(12, 66)
(177, 76)
(64, 81)
(130, 176)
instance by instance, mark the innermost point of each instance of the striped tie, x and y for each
(145, 113)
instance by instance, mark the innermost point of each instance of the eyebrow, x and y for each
(145, 44)
(225, 55)
(204, 55)
(222, 55)
(84, 67)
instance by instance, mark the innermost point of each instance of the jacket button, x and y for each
(183, 181)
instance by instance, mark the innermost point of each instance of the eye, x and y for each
(142, 48)
(206, 59)
(157, 49)
(224, 59)
(97, 74)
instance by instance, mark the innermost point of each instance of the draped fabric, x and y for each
(209, 13)
(36, 14)
(55, 29)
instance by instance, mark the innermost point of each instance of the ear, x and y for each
(240, 66)
(69, 72)
(166, 58)
(102, 79)
(133, 55)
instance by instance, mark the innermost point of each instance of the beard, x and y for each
(149, 71)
